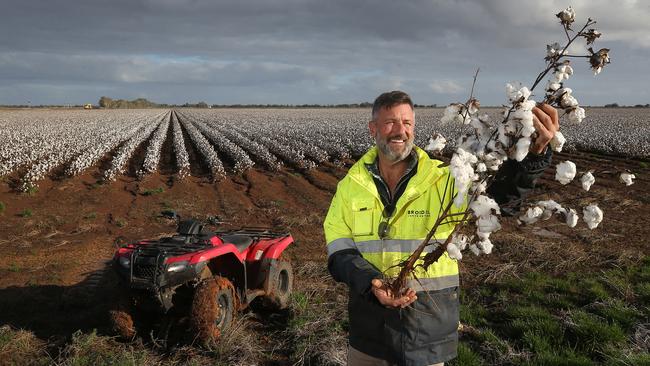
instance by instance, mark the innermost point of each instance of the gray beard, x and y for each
(392, 156)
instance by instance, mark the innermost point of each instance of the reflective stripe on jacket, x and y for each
(356, 213)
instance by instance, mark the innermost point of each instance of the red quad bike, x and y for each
(200, 279)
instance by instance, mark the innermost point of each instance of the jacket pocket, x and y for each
(362, 218)
(433, 318)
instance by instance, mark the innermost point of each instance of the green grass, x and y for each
(573, 319)
(90, 216)
(466, 357)
(153, 191)
(91, 349)
(3, 207)
(26, 213)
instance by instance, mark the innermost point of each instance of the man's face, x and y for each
(394, 130)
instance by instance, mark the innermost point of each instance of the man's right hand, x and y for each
(385, 295)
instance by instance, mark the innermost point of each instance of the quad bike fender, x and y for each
(209, 254)
(268, 250)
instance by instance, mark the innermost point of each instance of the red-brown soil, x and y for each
(55, 243)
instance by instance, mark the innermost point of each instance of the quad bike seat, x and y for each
(241, 242)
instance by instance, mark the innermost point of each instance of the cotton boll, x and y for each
(451, 112)
(550, 205)
(552, 86)
(484, 206)
(557, 142)
(568, 101)
(521, 148)
(485, 246)
(461, 168)
(527, 127)
(553, 50)
(549, 208)
(567, 69)
(571, 218)
(454, 251)
(436, 143)
(567, 16)
(522, 114)
(516, 92)
(460, 240)
(488, 224)
(532, 215)
(576, 115)
(527, 105)
(587, 180)
(592, 215)
(565, 172)
(626, 178)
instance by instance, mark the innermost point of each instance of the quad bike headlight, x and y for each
(177, 267)
(125, 262)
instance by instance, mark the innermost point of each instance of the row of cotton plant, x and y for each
(254, 149)
(102, 145)
(152, 156)
(125, 151)
(233, 151)
(40, 141)
(182, 158)
(287, 153)
(61, 151)
(290, 137)
(206, 150)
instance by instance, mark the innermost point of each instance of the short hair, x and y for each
(389, 100)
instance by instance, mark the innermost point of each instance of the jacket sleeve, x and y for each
(517, 179)
(345, 262)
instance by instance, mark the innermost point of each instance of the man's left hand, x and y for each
(547, 123)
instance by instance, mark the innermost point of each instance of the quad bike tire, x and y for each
(213, 309)
(278, 286)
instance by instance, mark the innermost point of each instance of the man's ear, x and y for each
(373, 128)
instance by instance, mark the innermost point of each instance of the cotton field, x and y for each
(35, 144)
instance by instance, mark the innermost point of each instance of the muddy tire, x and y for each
(278, 286)
(121, 315)
(213, 309)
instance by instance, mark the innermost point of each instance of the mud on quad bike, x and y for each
(201, 275)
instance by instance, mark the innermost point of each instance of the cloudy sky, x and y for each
(307, 51)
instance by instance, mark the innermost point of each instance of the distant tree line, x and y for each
(106, 102)
(615, 105)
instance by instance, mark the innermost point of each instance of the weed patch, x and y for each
(153, 191)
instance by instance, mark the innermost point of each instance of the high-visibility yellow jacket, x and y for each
(426, 332)
(357, 211)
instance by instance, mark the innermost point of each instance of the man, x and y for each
(381, 212)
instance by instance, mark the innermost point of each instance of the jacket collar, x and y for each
(428, 172)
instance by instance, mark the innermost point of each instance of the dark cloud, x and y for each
(299, 51)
